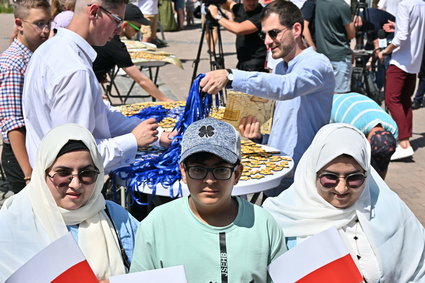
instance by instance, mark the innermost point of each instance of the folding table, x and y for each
(110, 86)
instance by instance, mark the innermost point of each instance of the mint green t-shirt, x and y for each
(240, 252)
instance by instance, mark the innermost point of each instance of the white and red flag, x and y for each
(60, 262)
(321, 258)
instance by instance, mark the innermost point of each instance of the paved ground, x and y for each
(404, 177)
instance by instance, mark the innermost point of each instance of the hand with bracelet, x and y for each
(213, 9)
(388, 50)
(388, 27)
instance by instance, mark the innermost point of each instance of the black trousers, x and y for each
(13, 171)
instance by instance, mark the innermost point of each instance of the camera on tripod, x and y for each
(211, 30)
(361, 33)
(361, 4)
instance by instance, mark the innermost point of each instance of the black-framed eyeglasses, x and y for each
(64, 178)
(40, 25)
(219, 173)
(273, 33)
(118, 20)
(331, 180)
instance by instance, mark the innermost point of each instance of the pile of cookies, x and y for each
(258, 163)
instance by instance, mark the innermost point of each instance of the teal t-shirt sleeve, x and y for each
(143, 257)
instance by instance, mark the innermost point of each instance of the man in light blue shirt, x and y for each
(303, 84)
(366, 115)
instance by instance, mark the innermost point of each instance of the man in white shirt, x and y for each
(60, 87)
(407, 49)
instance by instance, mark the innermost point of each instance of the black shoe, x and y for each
(416, 105)
(159, 43)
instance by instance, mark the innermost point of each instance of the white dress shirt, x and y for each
(60, 87)
(358, 245)
(389, 5)
(409, 36)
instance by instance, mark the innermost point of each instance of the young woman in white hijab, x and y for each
(335, 185)
(64, 194)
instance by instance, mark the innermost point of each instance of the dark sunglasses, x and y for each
(219, 173)
(331, 180)
(64, 178)
(272, 33)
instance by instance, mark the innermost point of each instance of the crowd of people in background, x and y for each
(60, 138)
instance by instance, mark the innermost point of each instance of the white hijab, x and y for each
(31, 220)
(395, 234)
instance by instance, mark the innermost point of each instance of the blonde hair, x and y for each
(21, 7)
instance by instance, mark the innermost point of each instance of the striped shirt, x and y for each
(361, 112)
(13, 64)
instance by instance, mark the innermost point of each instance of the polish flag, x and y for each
(321, 258)
(60, 262)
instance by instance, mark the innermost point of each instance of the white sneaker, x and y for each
(401, 153)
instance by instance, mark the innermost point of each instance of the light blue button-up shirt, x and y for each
(303, 89)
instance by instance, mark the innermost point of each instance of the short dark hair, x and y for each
(288, 12)
(72, 145)
(21, 7)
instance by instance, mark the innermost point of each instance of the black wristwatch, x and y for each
(229, 78)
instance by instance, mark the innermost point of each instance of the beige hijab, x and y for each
(96, 236)
(395, 234)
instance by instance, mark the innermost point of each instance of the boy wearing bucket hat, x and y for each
(217, 237)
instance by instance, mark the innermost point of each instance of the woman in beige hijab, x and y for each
(335, 186)
(65, 195)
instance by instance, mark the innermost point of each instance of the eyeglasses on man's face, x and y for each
(40, 24)
(63, 178)
(219, 173)
(331, 180)
(118, 20)
(273, 33)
